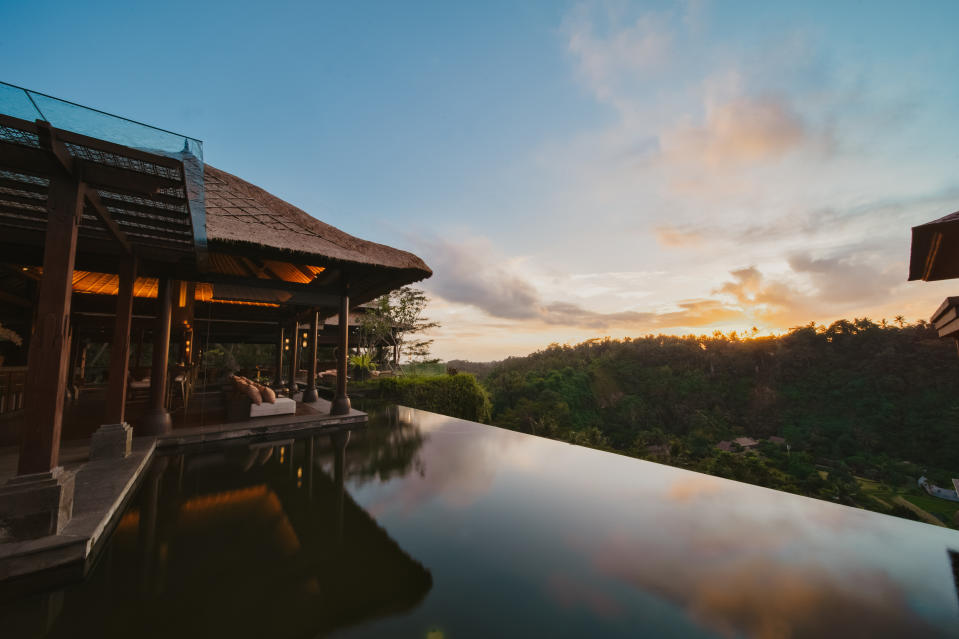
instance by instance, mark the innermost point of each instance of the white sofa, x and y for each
(283, 406)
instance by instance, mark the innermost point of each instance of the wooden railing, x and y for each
(12, 379)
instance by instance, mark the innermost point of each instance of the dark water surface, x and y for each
(427, 526)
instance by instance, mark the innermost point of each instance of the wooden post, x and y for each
(341, 403)
(49, 353)
(72, 387)
(138, 355)
(294, 347)
(157, 420)
(278, 363)
(310, 394)
(120, 348)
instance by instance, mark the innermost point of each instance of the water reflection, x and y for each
(248, 541)
(577, 542)
(423, 525)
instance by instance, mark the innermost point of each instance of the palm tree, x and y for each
(900, 320)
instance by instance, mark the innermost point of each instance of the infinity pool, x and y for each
(421, 525)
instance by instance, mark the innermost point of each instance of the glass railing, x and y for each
(69, 116)
(61, 114)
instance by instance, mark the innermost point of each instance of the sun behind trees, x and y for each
(865, 408)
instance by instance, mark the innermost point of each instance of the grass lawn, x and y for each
(936, 506)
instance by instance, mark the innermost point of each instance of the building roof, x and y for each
(745, 442)
(935, 249)
(240, 213)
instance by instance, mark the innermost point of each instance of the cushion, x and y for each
(267, 394)
(252, 392)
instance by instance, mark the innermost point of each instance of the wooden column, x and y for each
(120, 348)
(294, 347)
(49, 353)
(310, 394)
(73, 388)
(138, 355)
(341, 403)
(278, 363)
(157, 419)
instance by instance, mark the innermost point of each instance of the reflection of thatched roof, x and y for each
(935, 250)
(239, 213)
(249, 556)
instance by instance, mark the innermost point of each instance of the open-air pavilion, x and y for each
(117, 232)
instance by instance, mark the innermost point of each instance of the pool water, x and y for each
(421, 525)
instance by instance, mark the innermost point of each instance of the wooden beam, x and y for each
(118, 149)
(94, 200)
(265, 268)
(254, 269)
(276, 285)
(110, 177)
(120, 347)
(23, 159)
(49, 354)
(49, 141)
(169, 216)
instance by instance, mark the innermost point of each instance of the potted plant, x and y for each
(362, 366)
(8, 335)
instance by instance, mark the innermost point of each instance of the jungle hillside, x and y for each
(855, 412)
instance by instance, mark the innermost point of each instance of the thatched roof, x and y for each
(935, 249)
(240, 213)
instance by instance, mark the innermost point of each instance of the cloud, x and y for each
(744, 130)
(846, 279)
(603, 59)
(860, 219)
(473, 273)
(675, 237)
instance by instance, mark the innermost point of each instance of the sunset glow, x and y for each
(571, 170)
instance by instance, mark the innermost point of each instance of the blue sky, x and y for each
(569, 170)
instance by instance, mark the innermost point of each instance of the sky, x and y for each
(568, 170)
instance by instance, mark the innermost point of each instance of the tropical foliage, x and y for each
(395, 322)
(855, 401)
(454, 395)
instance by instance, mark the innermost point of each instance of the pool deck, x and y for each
(104, 487)
(307, 417)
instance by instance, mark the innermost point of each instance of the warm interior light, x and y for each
(299, 472)
(304, 343)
